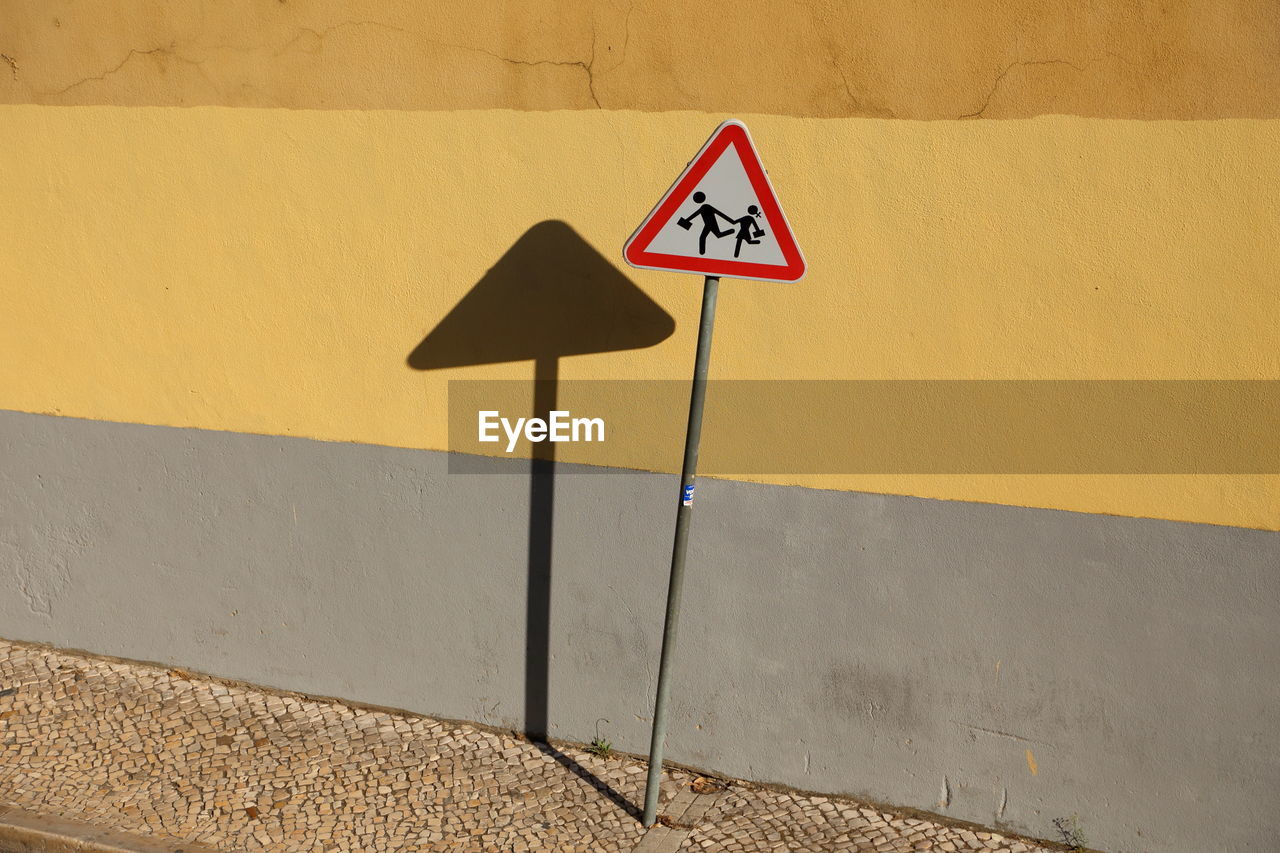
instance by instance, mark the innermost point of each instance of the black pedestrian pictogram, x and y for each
(709, 226)
(748, 228)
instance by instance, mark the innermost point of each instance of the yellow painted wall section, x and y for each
(269, 271)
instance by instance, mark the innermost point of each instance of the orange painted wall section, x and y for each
(959, 59)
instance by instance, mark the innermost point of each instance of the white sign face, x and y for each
(727, 224)
(721, 217)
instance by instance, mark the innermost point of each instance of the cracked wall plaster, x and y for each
(38, 562)
(815, 58)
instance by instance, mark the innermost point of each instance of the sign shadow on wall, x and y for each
(551, 295)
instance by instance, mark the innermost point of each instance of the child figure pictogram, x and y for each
(748, 229)
(709, 226)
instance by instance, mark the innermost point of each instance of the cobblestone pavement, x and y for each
(751, 819)
(139, 749)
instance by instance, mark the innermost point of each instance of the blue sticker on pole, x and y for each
(687, 498)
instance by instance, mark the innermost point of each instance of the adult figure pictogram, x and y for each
(709, 226)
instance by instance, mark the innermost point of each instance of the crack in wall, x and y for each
(998, 733)
(588, 65)
(585, 65)
(110, 71)
(626, 37)
(172, 50)
(1000, 79)
(856, 106)
(1162, 74)
(848, 91)
(622, 51)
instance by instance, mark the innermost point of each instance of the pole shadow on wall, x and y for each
(551, 295)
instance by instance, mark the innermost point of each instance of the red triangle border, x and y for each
(734, 133)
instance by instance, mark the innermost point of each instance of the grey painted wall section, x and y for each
(905, 650)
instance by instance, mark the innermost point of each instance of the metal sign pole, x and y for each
(684, 510)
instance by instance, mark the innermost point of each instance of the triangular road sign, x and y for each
(721, 218)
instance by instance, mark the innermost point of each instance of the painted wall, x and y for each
(244, 218)
(958, 59)
(999, 664)
(271, 271)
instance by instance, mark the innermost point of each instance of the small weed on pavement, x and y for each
(1072, 834)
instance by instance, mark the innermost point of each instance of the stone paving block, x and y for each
(176, 758)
